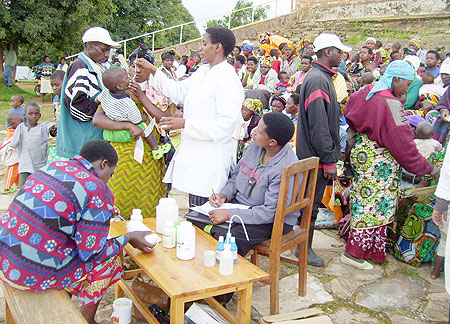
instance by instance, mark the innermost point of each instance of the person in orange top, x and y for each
(9, 155)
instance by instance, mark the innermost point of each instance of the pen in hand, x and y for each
(216, 202)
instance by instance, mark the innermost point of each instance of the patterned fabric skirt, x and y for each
(137, 185)
(418, 236)
(367, 243)
(373, 198)
(52, 156)
(91, 288)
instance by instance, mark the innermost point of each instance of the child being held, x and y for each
(425, 144)
(284, 81)
(118, 106)
(9, 154)
(31, 140)
(16, 107)
(429, 88)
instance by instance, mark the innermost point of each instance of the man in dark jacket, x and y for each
(318, 120)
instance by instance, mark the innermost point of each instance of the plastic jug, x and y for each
(166, 211)
(185, 241)
(226, 261)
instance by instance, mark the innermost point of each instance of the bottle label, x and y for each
(169, 240)
(218, 256)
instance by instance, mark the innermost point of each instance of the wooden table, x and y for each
(186, 281)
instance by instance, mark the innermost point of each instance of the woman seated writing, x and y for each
(256, 183)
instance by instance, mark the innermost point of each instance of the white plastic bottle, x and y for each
(169, 238)
(226, 261)
(136, 225)
(166, 211)
(185, 241)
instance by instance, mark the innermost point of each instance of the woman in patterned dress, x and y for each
(134, 185)
(384, 142)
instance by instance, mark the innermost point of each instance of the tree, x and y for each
(54, 27)
(144, 16)
(242, 17)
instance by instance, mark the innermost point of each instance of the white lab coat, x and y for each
(212, 99)
(443, 192)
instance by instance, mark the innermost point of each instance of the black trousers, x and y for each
(320, 188)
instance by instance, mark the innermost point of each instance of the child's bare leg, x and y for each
(151, 140)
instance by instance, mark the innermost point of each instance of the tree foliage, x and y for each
(37, 28)
(242, 17)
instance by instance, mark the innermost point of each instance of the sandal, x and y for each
(158, 153)
(363, 266)
(166, 148)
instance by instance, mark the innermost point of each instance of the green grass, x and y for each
(28, 93)
(408, 272)
(6, 93)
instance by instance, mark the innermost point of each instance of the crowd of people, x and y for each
(229, 118)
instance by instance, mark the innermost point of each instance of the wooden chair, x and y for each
(302, 177)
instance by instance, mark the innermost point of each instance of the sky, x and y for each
(203, 9)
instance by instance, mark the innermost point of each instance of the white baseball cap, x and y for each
(329, 40)
(99, 34)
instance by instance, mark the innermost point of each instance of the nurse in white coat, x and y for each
(212, 98)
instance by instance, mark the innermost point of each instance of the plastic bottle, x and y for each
(226, 261)
(219, 249)
(185, 241)
(234, 249)
(136, 225)
(167, 210)
(169, 238)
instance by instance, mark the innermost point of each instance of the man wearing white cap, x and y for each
(82, 83)
(318, 120)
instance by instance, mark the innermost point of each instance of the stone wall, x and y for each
(388, 21)
(337, 9)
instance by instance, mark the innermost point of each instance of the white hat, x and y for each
(413, 60)
(445, 66)
(329, 40)
(373, 39)
(99, 34)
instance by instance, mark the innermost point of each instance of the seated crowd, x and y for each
(229, 117)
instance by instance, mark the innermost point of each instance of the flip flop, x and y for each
(157, 154)
(363, 265)
(166, 148)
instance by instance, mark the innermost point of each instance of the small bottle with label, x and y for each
(234, 249)
(169, 240)
(226, 261)
(219, 249)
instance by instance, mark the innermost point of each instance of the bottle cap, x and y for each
(136, 215)
(220, 238)
(233, 239)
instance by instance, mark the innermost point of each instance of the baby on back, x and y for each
(425, 144)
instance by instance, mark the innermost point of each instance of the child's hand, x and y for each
(135, 89)
(144, 117)
(135, 131)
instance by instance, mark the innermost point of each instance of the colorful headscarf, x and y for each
(294, 48)
(264, 38)
(267, 61)
(247, 47)
(304, 41)
(142, 52)
(397, 69)
(279, 98)
(416, 41)
(254, 105)
(409, 51)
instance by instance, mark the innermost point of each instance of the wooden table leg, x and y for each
(244, 306)
(9, 319)
(176, 311)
